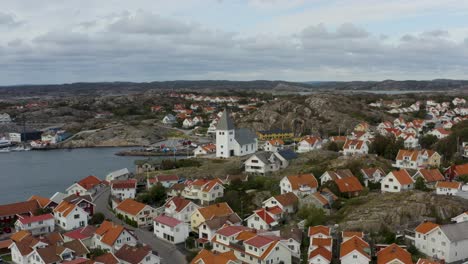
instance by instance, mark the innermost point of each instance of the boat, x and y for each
(4, 150)
(4, 143)
(21, 148)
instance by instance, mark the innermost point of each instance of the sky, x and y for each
(57, 41)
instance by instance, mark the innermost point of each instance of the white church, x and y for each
(231, 141)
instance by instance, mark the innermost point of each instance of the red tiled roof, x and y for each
(349, 184)
(167, 220)
(124, 184)
(259, 241)
(286, 199)
(321, 251)
(231, 230)
(431, 175)
(31, 219)
(301, 180)
(81, 233)
(358, 143)
(354, 243)
(449, 185)
(403, 177)
(109, 232)
(28, 207)
(89, 182)
(179, 202)
(320, 229)
(265, 216)
(393, 252)
(131, 206)
(321, 242)
(426, 227)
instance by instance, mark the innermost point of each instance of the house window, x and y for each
(76, 216)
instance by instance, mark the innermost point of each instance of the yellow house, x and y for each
(362, 127)
(275, 134)
(209, 212)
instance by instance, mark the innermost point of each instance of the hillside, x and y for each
(318, 113)
(398, 211)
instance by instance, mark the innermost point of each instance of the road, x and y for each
(168, 252)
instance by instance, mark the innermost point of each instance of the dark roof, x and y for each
(287, 154)
(218, 222)
(456, 232)
(244, 136)
(294, 233)
(149, 161)
(225, 122)
(274, 131)
(133, 255)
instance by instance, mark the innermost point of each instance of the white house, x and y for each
(415, 159)
(137, 255)
(36, 225)
(188, 123)
(394, 254)
(334, 175)
(429, 176)
(70, 216)
(89, 185)
(445, 242)
(373, 175)
(287, 202)
(231, 141)
(309, 143)
(170, 229)
(320, 255)
(355, 251)
(180, 208)
(169, 119)
(409, 140)
(121, 174)
(301, 185)
(439, 132)
(256, 248)
(112, 237)
(141, 213)
(463, 217)
(204, 190)
(124, 189)
(264, 162)
(274, 145)
(447, 188)
(355, 147)
(5, 118)
(465, 149)
(397, 181)
(204, 150)
(265, 218)
(165, 180)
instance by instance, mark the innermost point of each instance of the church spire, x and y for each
(225, 123)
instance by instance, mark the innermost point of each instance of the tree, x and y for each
(97, 219)
(332, 146)
(312, 215)
(157, 194)
(428, 141)
(420, 184)
(96, 252)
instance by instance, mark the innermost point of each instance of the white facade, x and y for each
(286, 186)
(229, 144)
(125, 238)
(446, 190)
(436, 243)
(123, 193)
(37, 227)
(173, 234)
(355, 149)
(75, 219)
(78, 189)
(354, 257)
(5, 118)
(390, 183)
(318, 259)
(182, 215)
(460, 218)
(15, 137)
(306, 146)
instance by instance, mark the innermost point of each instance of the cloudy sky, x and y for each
(57, 41)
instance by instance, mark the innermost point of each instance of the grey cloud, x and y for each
(9, 20)
(148, 23)
(436, 33)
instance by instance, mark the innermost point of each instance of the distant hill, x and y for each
(115, 88)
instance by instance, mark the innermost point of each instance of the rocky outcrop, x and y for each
(398, 211)
(317, 113)
(116, 136)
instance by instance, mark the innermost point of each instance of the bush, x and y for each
(97, 219)
(312, 215)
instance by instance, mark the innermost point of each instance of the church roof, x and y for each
(244, 136)
(225, 123)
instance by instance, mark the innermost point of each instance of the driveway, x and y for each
(168, 252)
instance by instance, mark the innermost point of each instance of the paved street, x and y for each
(169, 253)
